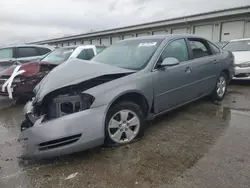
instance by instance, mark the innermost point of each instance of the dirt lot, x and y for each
(199, 145)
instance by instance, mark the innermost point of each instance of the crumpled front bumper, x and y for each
(64, 135)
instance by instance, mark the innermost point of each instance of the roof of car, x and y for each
(27, 45)
(75, 46)
(239, 39)
(164, 36)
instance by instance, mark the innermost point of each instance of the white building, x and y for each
(217, 26)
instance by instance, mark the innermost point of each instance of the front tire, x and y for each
(220, 87)
(124, 124)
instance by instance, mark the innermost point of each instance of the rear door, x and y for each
(204, 66)
(26, 54)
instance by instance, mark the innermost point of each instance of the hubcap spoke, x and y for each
(223, 83)
(129, 134)
(124, 115)
(218, 84)
(218, 90)
(113, 123)
(117, 136)
(133, 121)
(221, 91)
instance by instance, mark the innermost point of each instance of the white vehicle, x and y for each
(241, 50)
(85, 52)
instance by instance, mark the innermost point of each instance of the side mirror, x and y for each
(169, 61)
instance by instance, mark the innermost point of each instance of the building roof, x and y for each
(27, 45)
(163, 36)
(178, 20)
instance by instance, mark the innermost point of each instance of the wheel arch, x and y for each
(132, 96)
(226, 72)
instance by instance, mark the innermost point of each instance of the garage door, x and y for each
(247, 30)
(86, 42)
(142, 34)
(232, 30)
(95, 41)
(78, 42)
(162, 32)
(71, 43)
(180, 31)
(205, 31)
(65, 44)
(114, 39)
(105, 41)
(127, 36)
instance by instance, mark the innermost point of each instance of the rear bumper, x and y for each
(51, 138)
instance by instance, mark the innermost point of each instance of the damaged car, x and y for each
(107, 101)
(18, 81)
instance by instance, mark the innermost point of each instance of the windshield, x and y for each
(243, 45)
(59, 55)
(131, 54)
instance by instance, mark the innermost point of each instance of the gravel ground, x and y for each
(199, 145)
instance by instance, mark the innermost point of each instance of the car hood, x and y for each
(241, 57)
(73, 72)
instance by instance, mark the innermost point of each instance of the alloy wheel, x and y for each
(123, 126)
(221, 86)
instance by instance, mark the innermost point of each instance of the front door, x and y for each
(172, 84)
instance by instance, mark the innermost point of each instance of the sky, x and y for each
(32, 20)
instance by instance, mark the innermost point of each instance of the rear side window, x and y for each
(214, 48)
(6, 53)
(86, 54)
(43, 51)
(26, 52)
(200, 48)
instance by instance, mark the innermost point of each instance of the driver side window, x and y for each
(176, 49)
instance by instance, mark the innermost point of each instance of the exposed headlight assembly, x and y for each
(64, 105)
(243, 65)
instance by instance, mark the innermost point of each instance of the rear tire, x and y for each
(220, 87)
(124, 124)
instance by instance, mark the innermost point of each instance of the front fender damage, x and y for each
(66, 100)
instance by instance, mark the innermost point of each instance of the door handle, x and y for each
(215, 61)
(188, 70)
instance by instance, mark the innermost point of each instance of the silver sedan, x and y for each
(83, 104)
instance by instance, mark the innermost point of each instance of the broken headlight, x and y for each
(63, 105)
